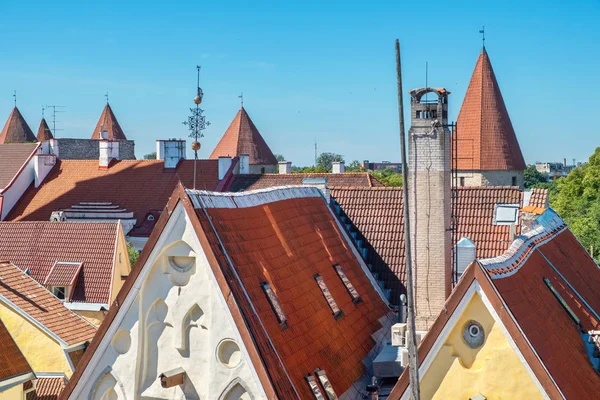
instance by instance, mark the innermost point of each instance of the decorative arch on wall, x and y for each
(194, 318)
(236, 390)
(154, 327)
(107, 387)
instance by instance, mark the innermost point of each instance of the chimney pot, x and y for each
(109, 150)
(224, 165)
(285, 167)
(171, 151)
(339, 167)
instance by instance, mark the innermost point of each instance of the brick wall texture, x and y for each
(88, 149)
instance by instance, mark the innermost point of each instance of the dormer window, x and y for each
(272, 298)
(62, 279)
(337, 313)
(349, 286)
(60, 292)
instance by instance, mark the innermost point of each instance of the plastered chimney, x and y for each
(244, 164)
(429, 202)
(171, 151)
(285, 167)
(224, 165)
(109, 151)
(339, 167)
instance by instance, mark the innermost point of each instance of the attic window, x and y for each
(337, 313)
(349, 286)
(60, 292)
(150, 217)
(281, 318)
(314, 387)
(329, 392)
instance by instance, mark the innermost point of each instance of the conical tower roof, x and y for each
(16, 129)
(109, 123)
(44, 132)
(486, 138)
(242, 137)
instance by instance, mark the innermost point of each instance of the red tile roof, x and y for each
(37, 302)
(12, 362)
(285, 243)
(486, 138)
(242, 137)
(63, 274)
(139, 186)
(262, 181)
(108, 122)
(47, 389)
(37, 246)
(16, 129)
(44, 133)
(12, 158)
(377, 214)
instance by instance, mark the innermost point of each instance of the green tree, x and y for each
(279, 157)
(577, 201)
(355, 166)
(533, 177)
(133, 255)
(325, 161)
(388, 177)
(150, 156)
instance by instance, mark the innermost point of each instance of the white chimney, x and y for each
(244, 164)
(42, 164)
(285, 167)
(339, 167)
(224, 165)
(171, 151)
(109, 150)
(465, 254)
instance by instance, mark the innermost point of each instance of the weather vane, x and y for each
(106, 95)
(482, 31)
(196, 123)
(241, 97)
(15, 96)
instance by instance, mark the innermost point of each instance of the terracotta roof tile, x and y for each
(37, 246)
(242, 137)
(12, 362)
(12, 158)
(109, 123)
(139, 186)
(262, 181)
(486, 138)
(28, 295)
(47, 389)
(63, 274)
(44, 133)
(16, 129)
(285, 243)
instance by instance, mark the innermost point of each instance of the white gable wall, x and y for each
(174, 316)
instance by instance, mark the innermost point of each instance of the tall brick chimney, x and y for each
(429, 202)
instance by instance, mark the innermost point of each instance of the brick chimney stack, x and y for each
(429, 201)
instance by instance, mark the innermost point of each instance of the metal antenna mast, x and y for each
(197, 122)
(54, 121)
(414, 388)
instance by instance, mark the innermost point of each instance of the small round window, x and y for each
(150, 217)
(473, 334)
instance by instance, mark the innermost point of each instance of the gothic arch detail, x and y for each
(236, 390)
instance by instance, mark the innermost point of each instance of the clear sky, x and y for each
(310, 70)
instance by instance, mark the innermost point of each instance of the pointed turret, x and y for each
(44, 133)
(109, 124)
(242, 137)
(16, 129)
(488, 151)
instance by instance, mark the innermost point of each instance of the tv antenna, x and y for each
(54, 121)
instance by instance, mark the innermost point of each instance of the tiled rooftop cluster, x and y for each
(253, 181)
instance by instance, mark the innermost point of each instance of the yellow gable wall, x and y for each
(122, 266)
(43, 353)
(14, 393)
(494, 370)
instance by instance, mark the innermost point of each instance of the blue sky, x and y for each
(309, 70)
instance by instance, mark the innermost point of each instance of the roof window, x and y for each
(349, 286)
(314, 387)
(329, 392)
(281, 318)
(337, 313)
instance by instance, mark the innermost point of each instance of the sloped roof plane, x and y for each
(242, 137)
(12, 362)
(16, 129)
(13, 158)
(109, 124)
(44, 133)
(485, 135)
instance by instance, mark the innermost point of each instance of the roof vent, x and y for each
(465, 255)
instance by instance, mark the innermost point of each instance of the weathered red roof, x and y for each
(37, 246)
(108, 122)
(242, 137)
(33, 299)
(44, 133)
(12, 158)
(16, 129)
(47, 389)
(12, 362)
(139, 186)
(262, 181)
(486, 138)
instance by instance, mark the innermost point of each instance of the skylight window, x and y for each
(337, 313)
(349, 286)
(329, 392)
(281, 318)
(314, 387)
(506, 214)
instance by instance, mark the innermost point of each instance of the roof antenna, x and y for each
(106, 95)
(15, 96)
(241, 97)
(482, 31)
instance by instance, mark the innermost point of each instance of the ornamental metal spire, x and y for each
(196, 123)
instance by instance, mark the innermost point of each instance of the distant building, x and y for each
(554, 170)
(380, 166)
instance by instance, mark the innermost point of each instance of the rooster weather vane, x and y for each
(196, 123)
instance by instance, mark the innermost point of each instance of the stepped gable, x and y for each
(16, 129)
(486, 138)
(242, 137)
